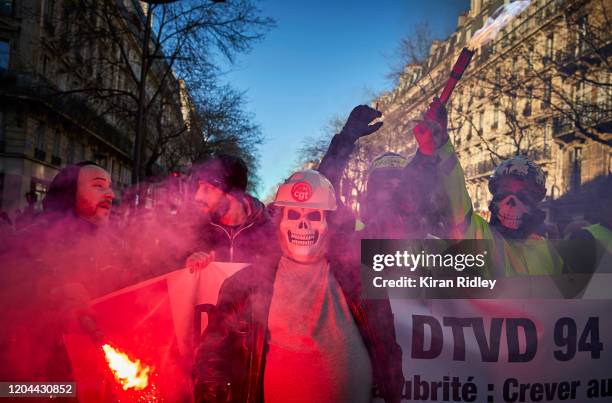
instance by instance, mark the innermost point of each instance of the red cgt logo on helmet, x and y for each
(301, 191)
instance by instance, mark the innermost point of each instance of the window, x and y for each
(581, 36)
(49, 7)
(576, 167)
(41, 132)
(580, 94)
(529, 98)
(45, 65)
(112, 169)
(495, 118)
(127, 175)
(547, 92)
(7, 7)
(480, 121)
(550, 48)
(48, 14)
(547, 138)
(5, 52)
(604, 96)
(82, 156)
(57, 141)
(70, 151)
(530, 57)
(40, 145)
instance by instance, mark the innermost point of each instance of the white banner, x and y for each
(505, 350)
(153, 322)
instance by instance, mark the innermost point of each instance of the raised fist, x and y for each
(431, 132)
(358, 123)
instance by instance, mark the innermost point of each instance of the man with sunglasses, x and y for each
(517, 186)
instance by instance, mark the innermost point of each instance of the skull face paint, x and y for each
(512, 206)
(303, 234)
(511, 211)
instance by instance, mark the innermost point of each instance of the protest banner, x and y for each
(478, 350)
(152, 322)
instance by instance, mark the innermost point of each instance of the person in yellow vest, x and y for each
(517, 186)
(592, 247)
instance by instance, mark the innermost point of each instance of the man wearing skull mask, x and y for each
(298, 330)
(517, 186)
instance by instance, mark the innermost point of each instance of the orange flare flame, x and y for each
(131, 374)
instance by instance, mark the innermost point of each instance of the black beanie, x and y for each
(226, 172)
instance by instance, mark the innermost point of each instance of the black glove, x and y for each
(358, 123)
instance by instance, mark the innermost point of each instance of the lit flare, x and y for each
(496, 22)
(131, 374)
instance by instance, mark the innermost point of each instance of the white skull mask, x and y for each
(511, 211)
(303, 234)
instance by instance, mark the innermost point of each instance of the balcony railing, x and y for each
(487, 166)
(562, 125)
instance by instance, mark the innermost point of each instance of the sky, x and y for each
(322, 59)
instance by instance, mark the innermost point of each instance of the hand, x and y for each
(199, 261)
(358, 123)
(431, 132)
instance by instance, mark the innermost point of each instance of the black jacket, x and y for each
(249, 242)
(230, 361)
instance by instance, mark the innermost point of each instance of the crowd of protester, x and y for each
(300, 297)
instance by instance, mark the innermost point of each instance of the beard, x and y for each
(221, 209)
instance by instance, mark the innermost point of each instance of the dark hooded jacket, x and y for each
(231, 359)
(253, 240)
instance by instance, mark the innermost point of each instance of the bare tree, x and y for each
(313, 148)
(100, 42)
(412, 49)
(218, 125)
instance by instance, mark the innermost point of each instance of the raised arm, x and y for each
(433, 141)
(358, 125)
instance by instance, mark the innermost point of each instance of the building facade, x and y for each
(52, 112)
(540, 88)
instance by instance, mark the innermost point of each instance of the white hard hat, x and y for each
(307, 189)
